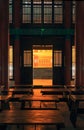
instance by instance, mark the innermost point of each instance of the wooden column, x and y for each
(67, 62)
(79, 43)
(4, 25)
(17, 16)
(67, 21)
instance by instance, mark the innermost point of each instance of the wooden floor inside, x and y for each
(65, 112)
(63, 108)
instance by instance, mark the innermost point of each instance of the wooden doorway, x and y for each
(42, 65)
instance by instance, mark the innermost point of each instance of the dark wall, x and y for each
(58, 44)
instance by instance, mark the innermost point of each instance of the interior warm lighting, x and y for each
(42, 59)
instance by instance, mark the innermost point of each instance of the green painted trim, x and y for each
(17, 37)
(42, 31)
(68, 37)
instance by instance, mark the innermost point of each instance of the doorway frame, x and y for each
(43, 47)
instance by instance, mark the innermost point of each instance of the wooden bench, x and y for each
(15, 92)
(41, 99)
(62, 91)
(21, 91)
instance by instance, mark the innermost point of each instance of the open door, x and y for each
(42, 65)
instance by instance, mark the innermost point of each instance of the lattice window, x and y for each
(26, 11)
(10, 11)
(73, 62)
(58, 11)
(73, 11)
(10, 62)
(27, 58)
(58, 58)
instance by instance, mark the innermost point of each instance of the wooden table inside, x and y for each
(75, 109)
(32, 117)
